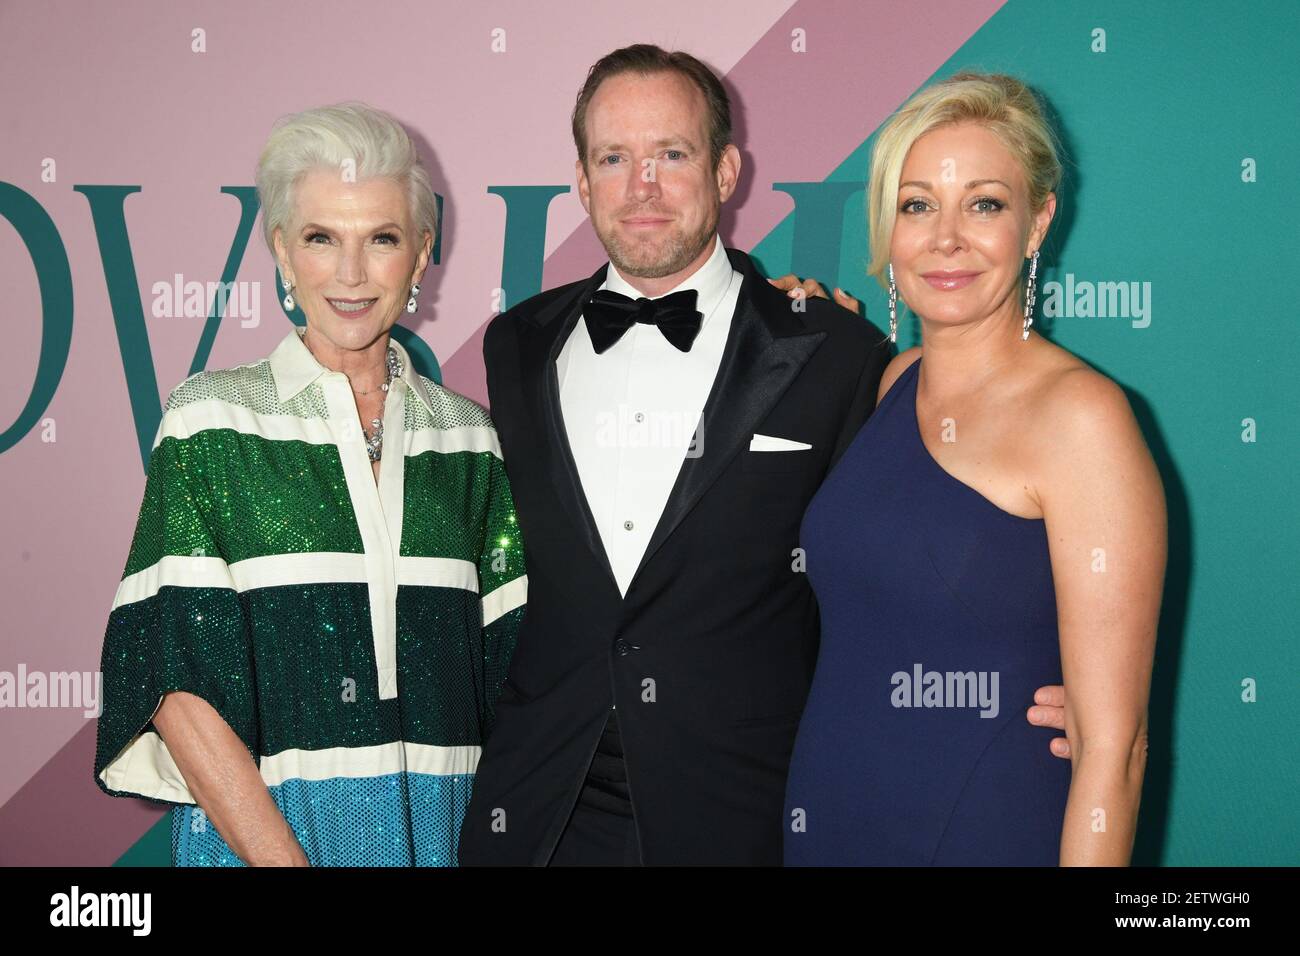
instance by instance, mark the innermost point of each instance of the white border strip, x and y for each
(188, 420)
(173, 570)
(278, 570)
(438, 573)
(476, 438)
(504, 599)
(377, 761)
(146, 767)
(195, 417)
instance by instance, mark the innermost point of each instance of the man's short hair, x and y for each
(648, 59)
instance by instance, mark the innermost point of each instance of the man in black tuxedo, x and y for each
(670, 635)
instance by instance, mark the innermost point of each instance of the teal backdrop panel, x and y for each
(1180, 138)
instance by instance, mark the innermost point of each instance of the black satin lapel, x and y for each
(541, 385)
(757, 368)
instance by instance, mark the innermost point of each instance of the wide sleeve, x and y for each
(176, 624)
(503, 587)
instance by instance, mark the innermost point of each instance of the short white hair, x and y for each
(327, 137)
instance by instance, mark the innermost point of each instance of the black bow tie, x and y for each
(610, 314)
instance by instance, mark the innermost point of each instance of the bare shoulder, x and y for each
(1091, 470)
(1079, 403)
(1085, 425)
(896, 367)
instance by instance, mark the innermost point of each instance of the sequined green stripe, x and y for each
(190, 639)
(315, 667)
(441, 670)
(458, 505)
(498, 647)
(224, 493)
(294, 667)
(504, 560)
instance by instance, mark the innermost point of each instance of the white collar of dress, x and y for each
(293, 368)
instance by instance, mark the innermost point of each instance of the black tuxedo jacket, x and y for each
(710, 655)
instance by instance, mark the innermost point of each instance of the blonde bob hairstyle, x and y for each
(1003, 104)
(352, 138)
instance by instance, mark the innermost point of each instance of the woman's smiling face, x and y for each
(351, 255)
(963, 225)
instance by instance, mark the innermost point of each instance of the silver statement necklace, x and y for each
(375, 434)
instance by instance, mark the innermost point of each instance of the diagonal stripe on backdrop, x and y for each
(796, 116)
(793, 124)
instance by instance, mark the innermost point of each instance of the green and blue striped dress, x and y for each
(353, 634)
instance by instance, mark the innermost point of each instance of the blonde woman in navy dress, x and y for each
(997, 524)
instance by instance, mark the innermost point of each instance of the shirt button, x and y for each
(627, 526)
(621, 647)
(640, 416)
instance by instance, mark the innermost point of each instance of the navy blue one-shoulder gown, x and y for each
(938, 624)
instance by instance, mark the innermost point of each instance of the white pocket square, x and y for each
(768, 443)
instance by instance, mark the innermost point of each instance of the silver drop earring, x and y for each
(1030, 295)
(893, 306)
(288, 294)
(411, 304)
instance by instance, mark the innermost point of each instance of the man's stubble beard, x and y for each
(672, 255)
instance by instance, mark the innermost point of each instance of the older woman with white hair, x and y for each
(326, 579)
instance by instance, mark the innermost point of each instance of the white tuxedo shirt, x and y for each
(630, 412)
